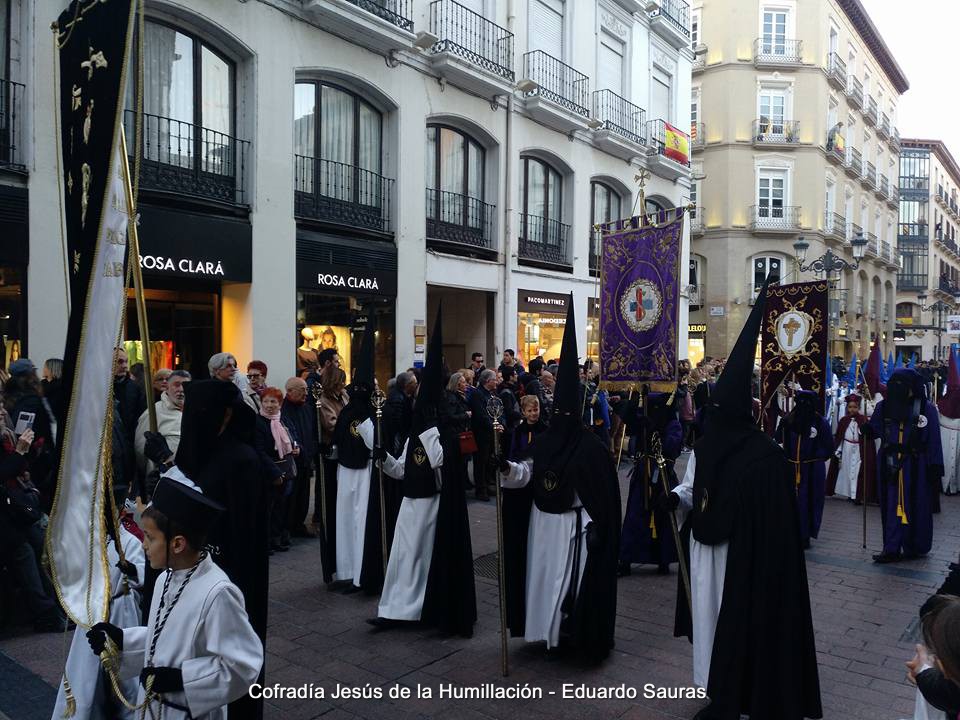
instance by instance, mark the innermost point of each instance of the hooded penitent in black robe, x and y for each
(226, 467)
(763, 662)
(569, 463)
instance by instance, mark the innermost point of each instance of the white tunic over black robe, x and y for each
(353, 493)
(551, 544)
(207, 636)
(89, 685)
(412, 550)
(950, 441)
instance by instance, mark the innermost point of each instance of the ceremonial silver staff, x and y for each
(378, 400)
(495, 411)
(317, 392)
(681, 558)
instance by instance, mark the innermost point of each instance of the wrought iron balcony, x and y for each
(893, 195)
(543, 240)
(894, 140)
(777, 51)
(698, 221)
(768, 131)
(868, 174)
(854, 162)
(460, 220)
(870, 113)
(952, 204)
(872, 248)
(883, 186)
(886, 251)
(676, 13)
(916, 231)
(698, 296)
(341, 194)
(657, 138)
(941, 196)
(557, 82)
(883, 127)
(855, 90)
(834, 225)
(471, 36)
(836, 70)
(774, 219)
(853, 230)
(836, 149)
(948, 286)
(11, 119)
(395, 12)
(186, 159)
(619, 116)
(698, 135)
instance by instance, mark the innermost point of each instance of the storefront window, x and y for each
(541, 318)
(339, 321)
(12, 313)
(184, 330)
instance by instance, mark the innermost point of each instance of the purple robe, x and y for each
(911, 535)
(639, 542)
(807, 457)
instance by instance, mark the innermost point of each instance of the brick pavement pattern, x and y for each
(864, 616)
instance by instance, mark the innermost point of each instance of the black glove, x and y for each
(594, 538)
(500, 462)
(98, 634)
(155, 448)
(668, 502)
(128, 569)
(165, 679)
(379, 454)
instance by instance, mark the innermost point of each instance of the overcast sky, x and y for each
(922, 36)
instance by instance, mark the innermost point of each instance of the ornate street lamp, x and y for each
(939, 306)
(829, 262)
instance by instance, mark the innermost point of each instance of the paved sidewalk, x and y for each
(863, 615)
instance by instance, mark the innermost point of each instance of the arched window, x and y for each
(189, 108)
(337, 141)
(604, 203)
(542, 231)
(455, 185)
(764, 265)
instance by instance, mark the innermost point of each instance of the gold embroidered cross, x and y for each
(97, 60)
(791, 327)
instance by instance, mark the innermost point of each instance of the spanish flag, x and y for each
(676, 144)
(838, 143)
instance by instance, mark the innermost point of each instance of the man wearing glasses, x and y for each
(256, 383)
(476, 364)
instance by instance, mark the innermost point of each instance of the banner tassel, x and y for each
(71, 705)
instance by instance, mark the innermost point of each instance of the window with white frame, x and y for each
(866, 81)
(771, 193)
(866, 146)
(546, 27)
(762, 266)
(832, 113)
(694, 29)
(851, 59)
(834, 41)
(695, 115)
(660, 92)
(610, 63)
(830, 199)
(773, 36)
(772, 109)
(694, 193)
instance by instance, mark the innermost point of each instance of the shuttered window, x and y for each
(610, 70)
(546, 27)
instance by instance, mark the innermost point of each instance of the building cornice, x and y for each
(871, 37)
(938, 148)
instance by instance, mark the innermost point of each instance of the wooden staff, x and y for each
(681, 557)
(317, 392)
(495, 411)
(378, 400)
(133, 241)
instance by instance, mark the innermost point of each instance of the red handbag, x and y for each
(468, 443)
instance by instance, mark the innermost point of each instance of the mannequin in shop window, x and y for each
(306, 355)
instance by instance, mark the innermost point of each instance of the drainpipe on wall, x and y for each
(508, 200)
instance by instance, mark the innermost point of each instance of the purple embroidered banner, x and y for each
(640, 304)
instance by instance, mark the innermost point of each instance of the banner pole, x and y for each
(133, 241)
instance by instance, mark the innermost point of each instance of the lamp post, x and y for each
(939, 306)
(829, 262)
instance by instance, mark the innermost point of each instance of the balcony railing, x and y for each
(869, 174)
(543, 240)
(11, 117)
(698, 296)
(853, 230)
(884, 185)
(952, 204)
(395, 12)
(893, 194)
(834, 224)
(470, 35)
(619, 115)
(948, 286)
(913, 231)
(697, 221)
(557, 82)
(870, 110)
(836, 70)
(774, 218)
(341, 194)
(894, 139)
(768, 131)
(872, 247)
(836, 148)
(855, 90)
(883, 127)
(677, 12)
(698, 135)
(777, 51)
(187, 159)
(657, 138)
(854, 161)
(459, 219)
(885, 250)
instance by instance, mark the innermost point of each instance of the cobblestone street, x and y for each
(863, 616)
